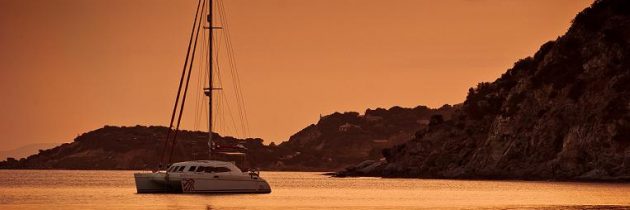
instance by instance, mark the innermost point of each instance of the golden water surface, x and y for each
(64, 189)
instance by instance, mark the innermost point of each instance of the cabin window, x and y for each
(181, 168)
(201, 168)
(209, 169)
(170, 168)
(192, 168)
(221, 169)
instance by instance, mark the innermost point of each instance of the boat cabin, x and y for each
(204, 166)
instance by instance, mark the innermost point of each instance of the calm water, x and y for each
(21, 189)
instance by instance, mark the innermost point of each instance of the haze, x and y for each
(71, 66)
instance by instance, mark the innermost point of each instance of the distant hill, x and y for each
(340, 139)
(562, 114)
(334, 142)
(111, 147)
(25, 151)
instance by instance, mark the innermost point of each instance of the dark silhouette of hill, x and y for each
(562, 114)
(114, 147)
(341, 139)
(336, 141)
(26, 150)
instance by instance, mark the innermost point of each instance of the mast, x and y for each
(210, 88)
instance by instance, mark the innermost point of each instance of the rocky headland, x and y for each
(563, 114)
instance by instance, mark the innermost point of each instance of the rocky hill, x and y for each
(562, 114)
(336, 141)
(341, 139)
(114, 147)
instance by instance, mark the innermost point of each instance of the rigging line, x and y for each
(198, 78)
(228, 54)
(236, 93)
(222, 96)
(231, 54)
(204, 101)
(190, 67)
(228, 123)
(218, 74)
(235, 74)
(219, 118)
(222, 106)
(231, 116)
(238, 131)
(179, 89)
(204, 111)
(198, 84)
(231, 61)
(218, 112)
(199, 95)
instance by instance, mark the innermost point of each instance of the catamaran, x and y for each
(198, 176)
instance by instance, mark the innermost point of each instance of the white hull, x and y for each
(187, 181)
(191, 183)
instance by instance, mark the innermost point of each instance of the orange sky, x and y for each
(71, 66)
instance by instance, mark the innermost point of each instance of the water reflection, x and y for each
(20, 189)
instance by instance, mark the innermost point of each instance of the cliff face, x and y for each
(336, 141)
(562, 114)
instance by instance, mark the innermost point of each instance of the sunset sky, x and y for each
(72, 66)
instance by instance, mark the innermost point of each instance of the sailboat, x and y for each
(199, 176)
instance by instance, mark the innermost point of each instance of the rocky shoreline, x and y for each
(382, 169)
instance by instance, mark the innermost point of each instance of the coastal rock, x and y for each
(365, 168)
(562, 114)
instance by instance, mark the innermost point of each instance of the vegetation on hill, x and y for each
(336, 141)
(562, 114)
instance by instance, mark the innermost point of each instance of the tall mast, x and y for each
(210, 88)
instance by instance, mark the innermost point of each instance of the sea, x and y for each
(78, 189)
